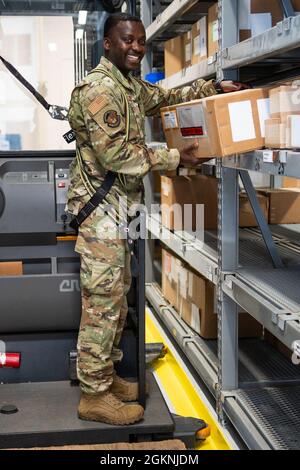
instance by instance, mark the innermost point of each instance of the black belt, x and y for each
(95, 200)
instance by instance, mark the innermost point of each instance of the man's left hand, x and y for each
(228, 86)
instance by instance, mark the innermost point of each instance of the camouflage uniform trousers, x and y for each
(105, 278)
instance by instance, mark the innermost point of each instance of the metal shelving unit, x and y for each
(238, 262)
(272, 162)
(167, 17)
(205, 69)
(283, 37)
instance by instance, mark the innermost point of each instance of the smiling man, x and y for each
(107, 113)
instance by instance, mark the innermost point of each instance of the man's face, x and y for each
(126, 45)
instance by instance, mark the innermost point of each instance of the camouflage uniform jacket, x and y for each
(97, 115)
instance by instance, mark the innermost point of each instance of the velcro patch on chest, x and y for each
(98, 104)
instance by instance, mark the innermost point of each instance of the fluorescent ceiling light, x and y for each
(82, 15)
(79, 33)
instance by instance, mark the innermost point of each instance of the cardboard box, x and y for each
(169, 287)
(200, 189)
(276, 134)
(180, 191)
(256, 16)
(284, 205)
(283, 133)
(291, 183)
(199, 41)
(187, 49)
(197, 309)
(213, 30)
(194, 298)
(284, 102)
(11, 268)
(247, 218)
(222, 125)
(173, 56)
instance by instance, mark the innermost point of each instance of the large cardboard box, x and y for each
(199, 41)
(222, 125)
(181, 191)
(284, 205)
(213, 30)
(173, 56)
(284, 101)
(247, 218)
(194, 298)
(11, 268)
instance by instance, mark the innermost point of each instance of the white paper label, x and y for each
(264, 113)
(188, 52)
(241, 121)
(170, 120)
(203, 37)
(268, 156)
(195, 321)
(295, 131)
(200, 46)
(215, 31)
(197, 45)
(260, 22)
(191, 121)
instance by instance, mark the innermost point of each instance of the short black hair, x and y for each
(115, 18)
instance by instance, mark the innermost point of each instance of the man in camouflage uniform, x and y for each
(107, 113)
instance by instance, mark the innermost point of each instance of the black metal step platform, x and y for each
(47, 416)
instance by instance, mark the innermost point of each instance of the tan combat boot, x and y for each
(125, 390)
(107, 408)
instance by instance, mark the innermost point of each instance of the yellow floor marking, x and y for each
(180, 391)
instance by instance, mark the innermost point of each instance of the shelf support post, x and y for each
(264, 227)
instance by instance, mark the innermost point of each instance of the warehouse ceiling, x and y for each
(56, 6)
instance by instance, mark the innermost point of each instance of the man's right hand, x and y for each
(187, 155)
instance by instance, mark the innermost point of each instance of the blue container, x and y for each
(154, 77)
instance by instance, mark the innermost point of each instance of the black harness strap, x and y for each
(95, 200)
(26, 84)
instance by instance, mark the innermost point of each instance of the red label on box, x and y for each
(192, 131)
